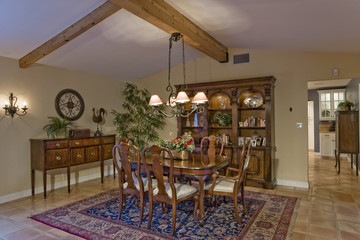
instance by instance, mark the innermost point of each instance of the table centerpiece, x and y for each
(180, 146)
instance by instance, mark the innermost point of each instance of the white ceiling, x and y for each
(126, 47)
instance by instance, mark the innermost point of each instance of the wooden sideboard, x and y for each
(48, 154)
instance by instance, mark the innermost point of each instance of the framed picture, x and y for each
(248, 140)
(241, 141)
(253, 142)
(264, 142)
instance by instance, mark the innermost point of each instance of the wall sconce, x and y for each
(11, 108)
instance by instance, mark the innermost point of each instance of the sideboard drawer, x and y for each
(107, 150)
(91, 141)
(106, 140)
(92, 154)
(56, 144)
(76, 143)
(77, 156)
(57, 158)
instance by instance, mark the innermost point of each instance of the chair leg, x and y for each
(121, 197)
(243, 200)
(196, 208)
(173, 220)
(141, 208)
(136, 202)
(236, 210)
(150, 212)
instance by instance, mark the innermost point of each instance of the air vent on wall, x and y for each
(242, 58)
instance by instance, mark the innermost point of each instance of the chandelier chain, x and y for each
(184, 86)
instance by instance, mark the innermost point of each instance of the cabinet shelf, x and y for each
(252, 127)
(250, 109)
(219, 127)
(191, 127)
(220, 109)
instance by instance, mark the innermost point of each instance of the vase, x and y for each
(183, 155)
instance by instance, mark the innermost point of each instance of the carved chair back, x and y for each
(211, 149)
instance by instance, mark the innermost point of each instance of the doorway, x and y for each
(311, 125)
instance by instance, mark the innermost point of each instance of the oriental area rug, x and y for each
(270, 217)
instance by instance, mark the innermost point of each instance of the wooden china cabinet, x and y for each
(250, 102)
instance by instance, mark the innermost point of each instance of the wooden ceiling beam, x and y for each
(87, 22)
(167, 18)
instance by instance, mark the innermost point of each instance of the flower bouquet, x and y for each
(179, 146)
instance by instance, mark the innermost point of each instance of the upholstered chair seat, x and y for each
(221, 185)
(182, 190)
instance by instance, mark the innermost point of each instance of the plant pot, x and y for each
(183, 155)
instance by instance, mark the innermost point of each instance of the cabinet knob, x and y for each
(58, 144)
(92, 154)
(78, 156)
(58, 158)
(77, 143)
(95, 141)
(108, 150)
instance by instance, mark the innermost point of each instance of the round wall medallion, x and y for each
(69, 104)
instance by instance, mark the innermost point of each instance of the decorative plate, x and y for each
(254, 101)
(69, 104)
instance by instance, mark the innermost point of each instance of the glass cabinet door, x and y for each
(325, 105)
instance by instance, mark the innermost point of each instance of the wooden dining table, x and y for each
(198, 166)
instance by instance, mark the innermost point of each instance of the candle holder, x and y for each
(11, 108)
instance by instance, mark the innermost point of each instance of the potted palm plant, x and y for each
(57, 126)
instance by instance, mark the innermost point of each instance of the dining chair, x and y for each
(167, 191)
(127, 140)
(130, 181)
(230, 185)
(211, 149)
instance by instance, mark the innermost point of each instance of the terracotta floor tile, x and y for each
(329, 209)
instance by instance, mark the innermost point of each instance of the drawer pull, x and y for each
(77, 143)
(58, 144)
(109, 151)
(58, 158)
(95, 141)
(78, 156)
(92, 154)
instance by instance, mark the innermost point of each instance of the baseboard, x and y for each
(26, 193)
(290, 183)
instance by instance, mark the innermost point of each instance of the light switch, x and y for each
(299, 125)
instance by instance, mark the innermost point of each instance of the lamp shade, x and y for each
(182, 97)
(155, 100)
(200, 98)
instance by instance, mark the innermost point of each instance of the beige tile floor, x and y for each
(329, 209)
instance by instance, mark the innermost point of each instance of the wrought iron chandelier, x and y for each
(177, 101)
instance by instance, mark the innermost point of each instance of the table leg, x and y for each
(201, 180)
(32, 182)
(338, 160)
(357, 164)
(68, 178)
(102, 169)
(44, 182)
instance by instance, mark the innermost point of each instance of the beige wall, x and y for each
(39, 85)
(292, 71)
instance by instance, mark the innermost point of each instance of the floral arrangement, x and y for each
(185, 142)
